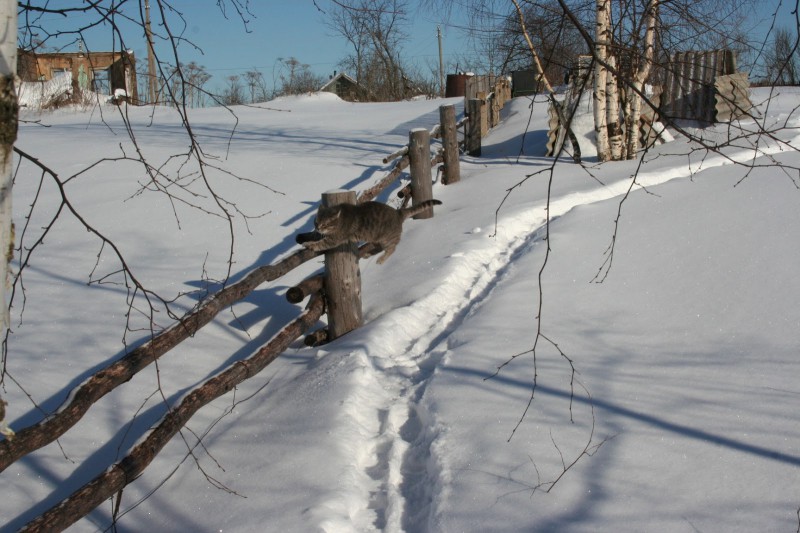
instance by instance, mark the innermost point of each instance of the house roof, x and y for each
(336, 78)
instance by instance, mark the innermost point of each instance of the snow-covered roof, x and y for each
(336, 78)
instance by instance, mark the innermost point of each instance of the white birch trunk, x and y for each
(8, 134)
(602, 34)
(615, 134)
(632, 121)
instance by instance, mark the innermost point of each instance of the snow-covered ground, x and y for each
(683, 413)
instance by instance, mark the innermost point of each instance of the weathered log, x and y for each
(473, 134)
(394, 155)
(419, 151)
(370, 194)
(447, 118)
(105, 380)
(405, 192)
(435, 133)
(342, 277)
(84, 500)
(375, 190)
(305, 288)
(317, 338)
(495, 118)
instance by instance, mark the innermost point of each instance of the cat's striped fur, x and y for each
(370, 222)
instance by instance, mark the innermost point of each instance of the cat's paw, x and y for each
(311, 236)
(315, 246)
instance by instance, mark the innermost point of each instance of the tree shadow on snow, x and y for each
(639, 416)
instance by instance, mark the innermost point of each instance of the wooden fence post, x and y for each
(447, 119)
(342, 277)
(419, 154)
(494, 110)
(473, 134)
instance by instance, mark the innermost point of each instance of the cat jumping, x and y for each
(370, 222)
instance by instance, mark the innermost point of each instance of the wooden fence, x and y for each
(485, 97)
(336, 291)
(702, 86)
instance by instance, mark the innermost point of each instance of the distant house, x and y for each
(105, 73)
(345, 88)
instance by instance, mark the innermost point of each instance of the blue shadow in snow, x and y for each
(645, 418)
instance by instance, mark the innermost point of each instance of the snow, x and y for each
(38, 94)
(682, 414)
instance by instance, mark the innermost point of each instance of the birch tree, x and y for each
(8, 134)
(613, 142)
(633, 104)
(601, 44)
(624, 52)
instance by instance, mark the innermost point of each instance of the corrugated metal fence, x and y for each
(704, 86)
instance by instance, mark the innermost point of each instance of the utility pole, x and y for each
(441, 64)
(151, 56)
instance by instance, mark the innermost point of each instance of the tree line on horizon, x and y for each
(377, 32)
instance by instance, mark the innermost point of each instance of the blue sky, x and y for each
(276, 29)
(296, 28)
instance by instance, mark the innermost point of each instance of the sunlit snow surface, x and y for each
(685, 396)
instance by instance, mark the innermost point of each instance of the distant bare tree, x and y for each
(143, 82)
(554, 36)
(188, 83)
(376, 31)
(297, 78)
(256, 86)
(233, 92)
(352, 29)
(196, 77)
(781, 60)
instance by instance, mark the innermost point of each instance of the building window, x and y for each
(55, 72)
(101, 81)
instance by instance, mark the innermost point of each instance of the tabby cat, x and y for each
(371, 222)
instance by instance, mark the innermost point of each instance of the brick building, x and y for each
(102, 72)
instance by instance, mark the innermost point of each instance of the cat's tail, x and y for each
(419, 208)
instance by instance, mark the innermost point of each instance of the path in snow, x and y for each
(391, 437)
